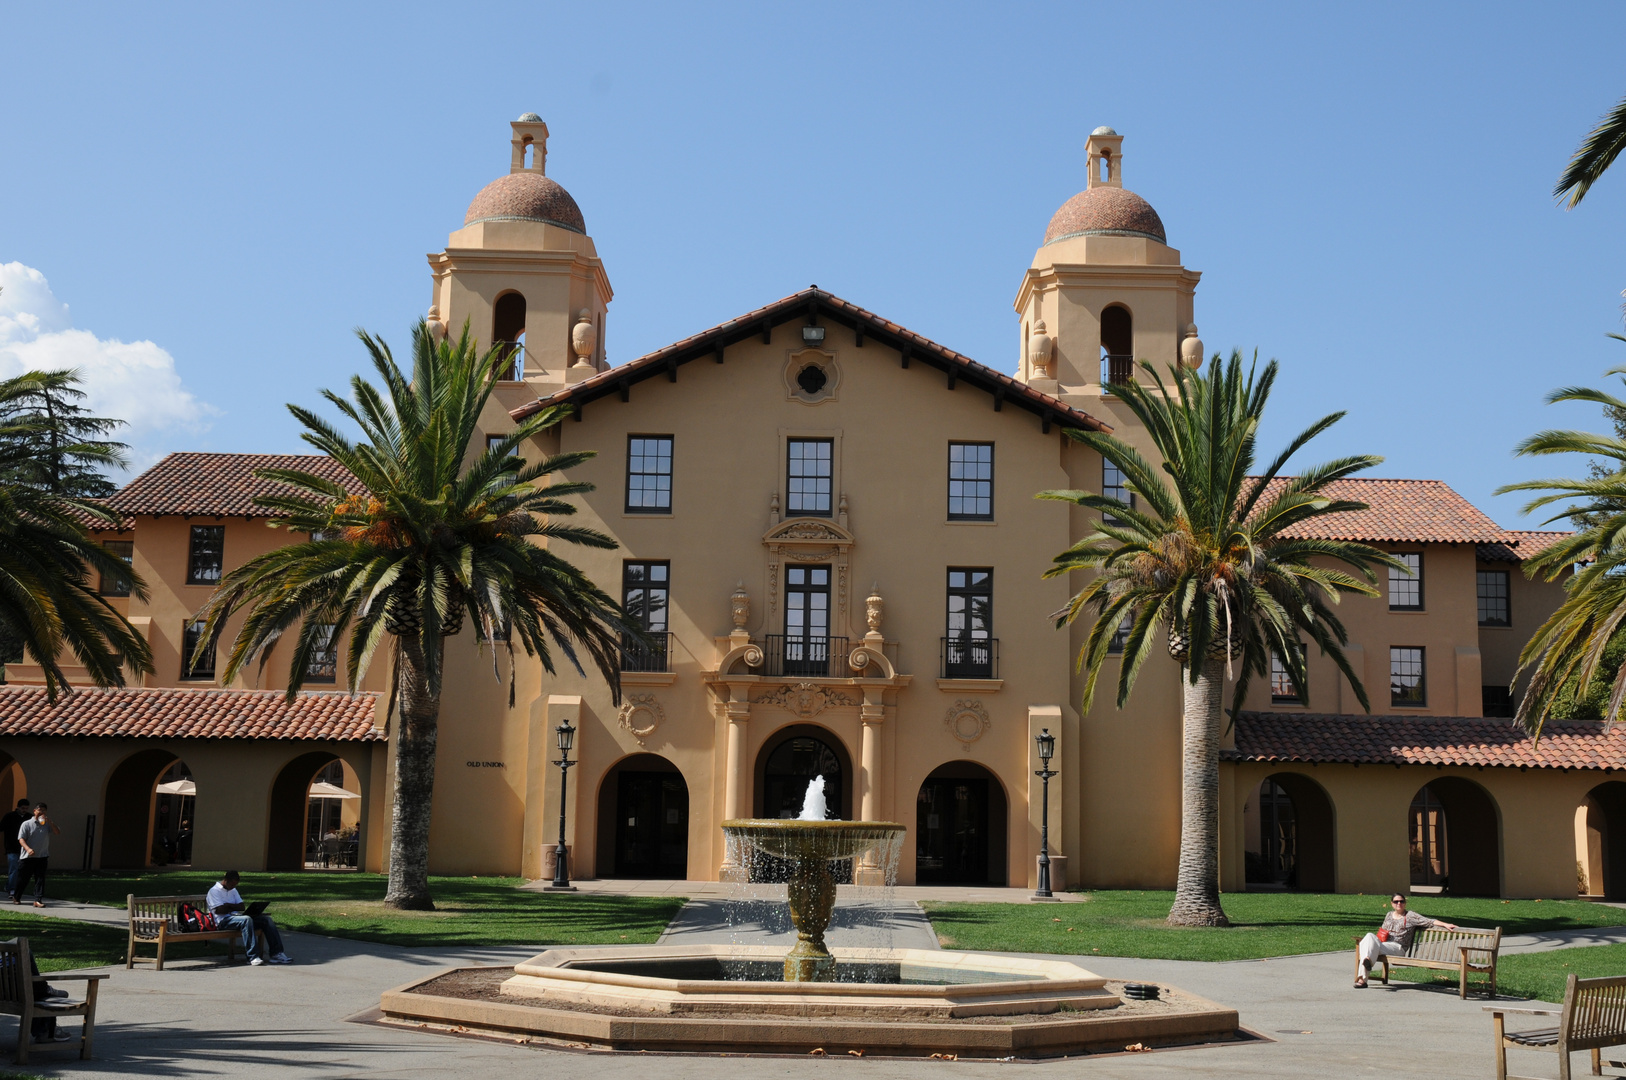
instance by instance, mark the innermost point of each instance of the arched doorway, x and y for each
(1600, 842)
(133, 835)
(508, 328)
(787, 764)
(13, 784)
(1288, 835)
(960, 827)
(643, 820)
(315, 815)
(1454, 835)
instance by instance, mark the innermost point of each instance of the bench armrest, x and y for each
(1524, 1011)
(62, 976)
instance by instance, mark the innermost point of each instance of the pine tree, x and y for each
(51, 442)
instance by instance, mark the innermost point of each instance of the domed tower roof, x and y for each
(526, 196)
(1105, 207)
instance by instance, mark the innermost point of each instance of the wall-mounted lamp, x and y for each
(813, 335)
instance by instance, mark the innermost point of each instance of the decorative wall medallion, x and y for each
(641, 714)
(811, 376)
(967, 720)
(805, 699)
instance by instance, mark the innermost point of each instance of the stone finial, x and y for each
(436, 327)
(841, 511)
(1191, 349)
(773, 509)
(581, 338)
(874, 607)
(740, 602)
(1039, 346)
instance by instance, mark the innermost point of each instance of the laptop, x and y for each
(257, 907)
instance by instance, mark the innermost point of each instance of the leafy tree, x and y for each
(1572, 648)
(1202, 559)
(426, 540)
(49, 440)
(49, 562)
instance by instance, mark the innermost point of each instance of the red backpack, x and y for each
(194, 921)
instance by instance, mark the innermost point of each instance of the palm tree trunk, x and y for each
(1196, 891)
(414, 781)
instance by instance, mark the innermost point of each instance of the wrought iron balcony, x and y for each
(970, 658)
(1116, 370)
(816, 657)
(645, 656)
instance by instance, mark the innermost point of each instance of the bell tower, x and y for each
(523, 270)
(1104, 292)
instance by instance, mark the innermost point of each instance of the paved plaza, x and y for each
(310, 1020)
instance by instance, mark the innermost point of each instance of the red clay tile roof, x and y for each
(189, 714)
(1106, 210)
(1425, 740)
(1400, 511)
(96, 524)
(1520, 544)
(711, 343)
(219, 485)
(526, 196)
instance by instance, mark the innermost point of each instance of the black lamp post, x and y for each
(1047, 750)
(561, 856)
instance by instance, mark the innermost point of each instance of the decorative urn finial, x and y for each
(581, 338)
(1039, 346)
(437, 328)
(874, 606)
(1191, 349)
(740, 601)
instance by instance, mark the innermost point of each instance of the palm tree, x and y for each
(1568, 648)
(1594, 156)
(1217, 561)
(423, 541)
(49, 600)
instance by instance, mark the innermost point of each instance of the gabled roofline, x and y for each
(866, 325)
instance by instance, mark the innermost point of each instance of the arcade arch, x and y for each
(141, 826)
(1454, 837)
(643, 820)
(1289, 831)
(298, 822)
(961, 816)
(1600, 842)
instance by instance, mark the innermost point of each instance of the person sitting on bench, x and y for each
(1394, 938)
(227, 905)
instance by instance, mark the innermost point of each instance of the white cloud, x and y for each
(133, 381)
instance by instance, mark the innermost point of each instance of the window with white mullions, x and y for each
(1406, 586)
(971, 482)
(808, 471)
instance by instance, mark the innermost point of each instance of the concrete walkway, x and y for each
(199, 1019)
(718, 890)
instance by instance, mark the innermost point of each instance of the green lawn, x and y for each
(1534, 975)
(470, 911)
(64, 944)
(1127, 923)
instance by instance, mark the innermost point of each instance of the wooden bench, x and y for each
(1592, 1017)
(17, 999)
(1461, 950)
(154, 920)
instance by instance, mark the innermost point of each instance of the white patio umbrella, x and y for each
(324, 790)
(178, 787)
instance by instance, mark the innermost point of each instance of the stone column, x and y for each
(869, 870)
(737, 782)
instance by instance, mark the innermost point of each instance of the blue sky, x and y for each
(1366, 191)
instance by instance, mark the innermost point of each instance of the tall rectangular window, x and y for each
(1406, 586)
(1407, 682)
(646, 597)
(968, 649)
(971, 482)
(649, 474)
(807, 477)
(323, 664)
(1493, 599)
(115, 586)
(1115, 485)
(1282, 688)
(1120, 636)
(206, 555)
(1497, 701)
(807, 643)
(204, 666)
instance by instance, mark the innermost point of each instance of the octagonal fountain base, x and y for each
(725, 999)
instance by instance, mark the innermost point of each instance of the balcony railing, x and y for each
(970, 658)
(817, 657)
(645, 656)
(1116, 370)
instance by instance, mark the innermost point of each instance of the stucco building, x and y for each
(826, 522)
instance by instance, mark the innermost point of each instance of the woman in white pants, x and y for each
(1398, 927)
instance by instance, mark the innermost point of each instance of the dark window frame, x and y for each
(628, 583)
(1278, 668)
(1506, 597)
(640, 455)
(323, 664)
(196, 567)
(829, 476)
(191, 633)
(1119, 491)
(1120, 637)
(647, 576)
(1407, 583)
(104, 587)
(974, 482)
(969, 592)
(1421, 699)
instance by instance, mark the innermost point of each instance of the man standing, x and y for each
(35, 840)
(227, 904)
(9, 825)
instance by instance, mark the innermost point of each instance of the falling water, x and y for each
(813, 806)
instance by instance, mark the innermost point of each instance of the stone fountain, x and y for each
(757, 999)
